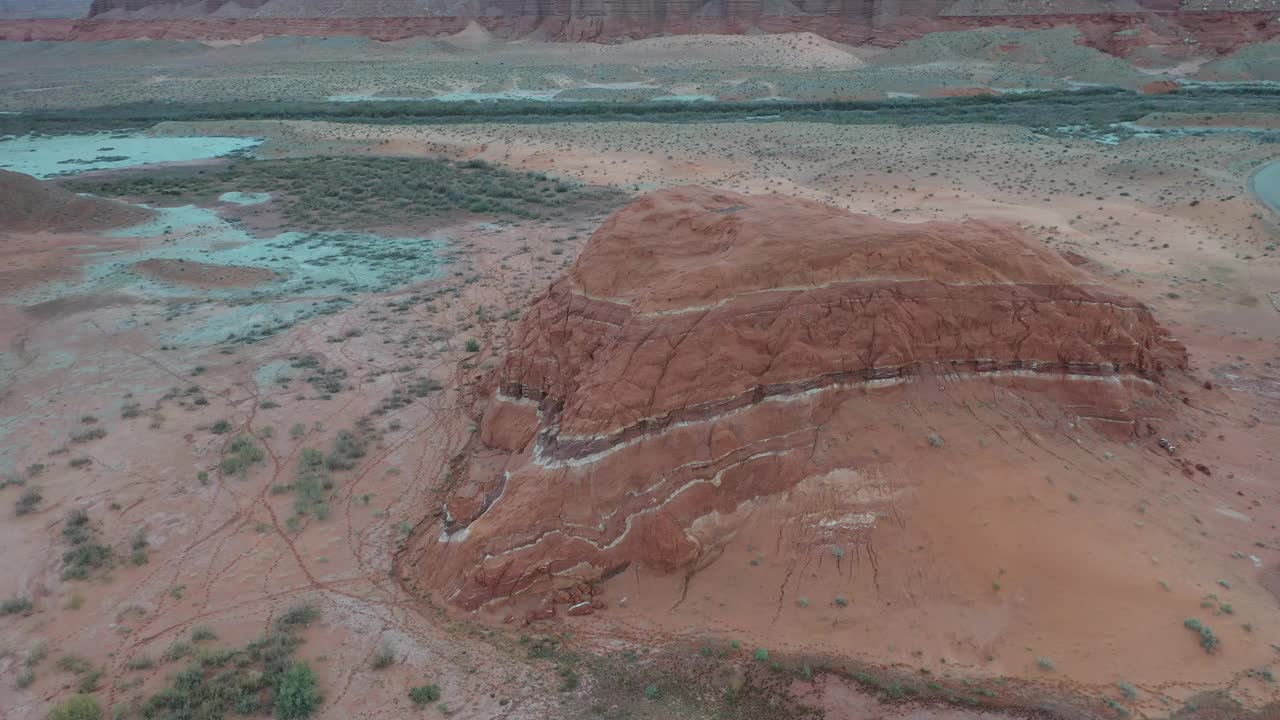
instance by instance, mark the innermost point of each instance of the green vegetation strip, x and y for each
(1039, 109)
(325, 192)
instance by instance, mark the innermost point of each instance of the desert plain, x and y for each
(795, 379)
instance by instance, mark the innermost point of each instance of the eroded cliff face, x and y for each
(1118, 27)
(708, 350)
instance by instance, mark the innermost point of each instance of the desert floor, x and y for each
(122, 395)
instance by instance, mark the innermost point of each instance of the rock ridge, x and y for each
(623, 429)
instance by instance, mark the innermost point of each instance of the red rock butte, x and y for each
(708, 349)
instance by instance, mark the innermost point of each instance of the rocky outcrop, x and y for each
(29, 205)
(1120, 27)
(709, 349)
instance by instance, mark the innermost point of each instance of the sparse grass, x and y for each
(384, 657)
(259, 677)
(221, 427)
(202, 634)
(76, 707)
(313, 480)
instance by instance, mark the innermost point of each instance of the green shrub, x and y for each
(1208, 640)
(348, 447)
(27, 503)
(140, 662)
(241, 453)
(424, 694)
(246, 681)
(176, 651)
(83, 557)
(73, 663)
(473, 345)
(76, 707)
(89, 435)
(20, 605)
(297, 696)
(302, 614)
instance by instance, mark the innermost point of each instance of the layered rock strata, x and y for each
(709, 349)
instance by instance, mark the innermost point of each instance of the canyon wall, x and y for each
(1211, 26)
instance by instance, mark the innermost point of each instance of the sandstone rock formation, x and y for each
(709, 349)
(1117, 26)
(29, 205)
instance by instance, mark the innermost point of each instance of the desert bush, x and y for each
(76, 707)
(88, 435)
(84, 555)
(302, 614)
(20, 605)
(1208, 640)
(348, 447)
(424, 694)
(312, 483)
(176, 651)
(297, 696)
(241, 453)
(27, 502)
(140, 662)
(383, 657)
(262, 675)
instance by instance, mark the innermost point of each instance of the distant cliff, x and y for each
(24, 9)
(1117, 26)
